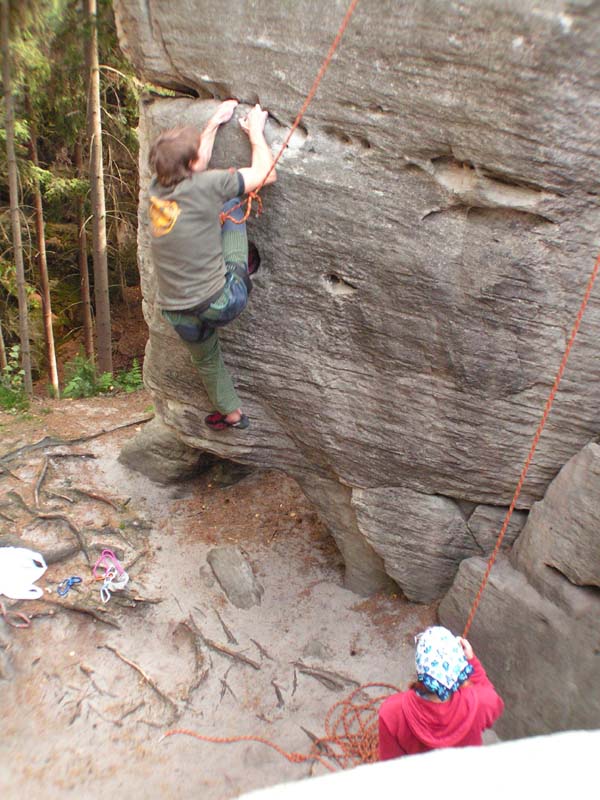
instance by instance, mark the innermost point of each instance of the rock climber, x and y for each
(203, 266)
(449, 705)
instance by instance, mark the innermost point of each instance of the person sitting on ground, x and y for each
(450, 705)
(203, 266)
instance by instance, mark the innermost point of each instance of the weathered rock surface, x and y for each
(161, 455)
(563, 531)
(485, 523)
(235, 575)
(424, 253)
(539, 630)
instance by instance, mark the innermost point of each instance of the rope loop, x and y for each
(250, 198)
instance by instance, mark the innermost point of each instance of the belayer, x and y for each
(203, 267)
(450, 705)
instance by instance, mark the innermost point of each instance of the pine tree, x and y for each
(101, 293)
(14, 196)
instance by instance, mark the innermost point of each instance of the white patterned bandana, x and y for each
(440, 661)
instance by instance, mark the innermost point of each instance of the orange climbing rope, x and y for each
(351, 725)
(351, 732)
(536, 438)
(323, 69)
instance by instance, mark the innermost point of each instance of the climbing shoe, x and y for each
(217, 422)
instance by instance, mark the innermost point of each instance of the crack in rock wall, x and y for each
(424, 253)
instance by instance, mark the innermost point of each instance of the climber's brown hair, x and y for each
(172, 152)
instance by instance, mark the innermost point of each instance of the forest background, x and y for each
(68, 200)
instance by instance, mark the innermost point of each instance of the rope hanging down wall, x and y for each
(351, 725)
(313, 89)
(534, 444)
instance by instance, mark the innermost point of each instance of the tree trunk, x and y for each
(101, 295)
(41, 256)
(11, 160)
(84, 285)
(3, 361)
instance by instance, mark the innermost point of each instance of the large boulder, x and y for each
(424, 253)
(539, 620)
(563, 531)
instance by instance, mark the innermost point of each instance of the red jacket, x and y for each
(409, 724)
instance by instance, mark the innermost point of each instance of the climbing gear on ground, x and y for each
(19, 569)
(252, 196)
(113, 582)
(217, 422)
(107, 560)
(14, 618)
(64, 587)
(114, 579)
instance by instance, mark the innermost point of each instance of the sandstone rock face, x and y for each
(539, 620)
(161, 455)
(563, 531)
(424, 253)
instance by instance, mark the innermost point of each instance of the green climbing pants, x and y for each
(208, 360)
(198, 329)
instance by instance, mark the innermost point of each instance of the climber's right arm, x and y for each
(262, 159)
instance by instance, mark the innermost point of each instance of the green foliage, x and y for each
(48, 80)
(130, 381)
(83, 380)
(12, 390)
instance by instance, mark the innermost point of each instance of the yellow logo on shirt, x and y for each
(163, 215)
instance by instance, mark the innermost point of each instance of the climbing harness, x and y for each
(64, 587)
(252, 196)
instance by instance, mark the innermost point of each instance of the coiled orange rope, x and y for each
(323, 69)
(351, 725)
(351, 732)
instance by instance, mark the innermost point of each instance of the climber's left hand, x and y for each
(224, 112)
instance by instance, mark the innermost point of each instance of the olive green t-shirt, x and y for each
(185, 233)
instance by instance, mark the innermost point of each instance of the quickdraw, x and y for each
(64, 587)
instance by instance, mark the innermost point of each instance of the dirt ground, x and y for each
(88, 690)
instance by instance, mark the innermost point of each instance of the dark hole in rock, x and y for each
(338, 134)
(338, 285)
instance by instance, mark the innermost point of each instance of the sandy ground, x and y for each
(81, 722)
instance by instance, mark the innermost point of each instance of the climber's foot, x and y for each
(220, 422)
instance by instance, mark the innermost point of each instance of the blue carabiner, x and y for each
(64, 587)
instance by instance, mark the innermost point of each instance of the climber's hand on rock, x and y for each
(253, 124)
(224, 112)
